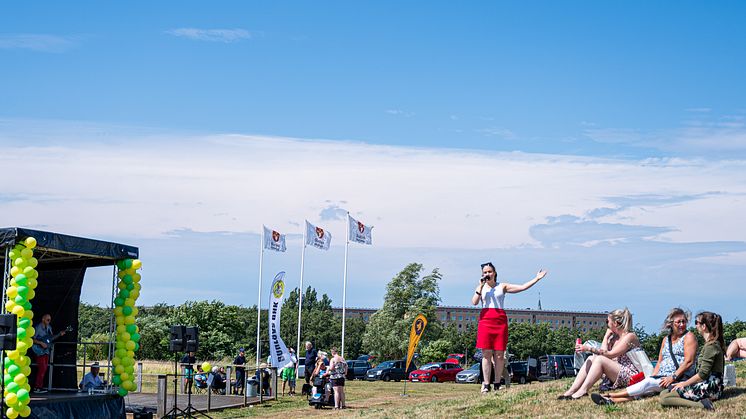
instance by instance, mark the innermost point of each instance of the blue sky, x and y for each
(604, 142)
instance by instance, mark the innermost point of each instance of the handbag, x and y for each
(641, 361)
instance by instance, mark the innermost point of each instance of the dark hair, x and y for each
(714, 325)
(490, 265)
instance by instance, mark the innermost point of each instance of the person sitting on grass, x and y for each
(707, 384)
(736, 350)
(609, 361)
(675, 362)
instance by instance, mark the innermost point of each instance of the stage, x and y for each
(68, 404)
(199, 401)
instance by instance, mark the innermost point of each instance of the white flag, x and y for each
(279, 352)
(317, 237)
(359, 232)
(274, 240)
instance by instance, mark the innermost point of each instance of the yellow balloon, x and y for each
(21, 361)
(11, 399)
(14, 355)
(134, 294)
(29, 314)
(121, 329)
(121, 285)
(33, 262)
(26, 370)
(135, 311)
(30, 331)
(124, 336)
(136, 264)
(124, 376)
(18, 311)
(25, 411)
(20, 379)
(32, 283)
(28, 341)
(30, 242)
(11, 413)
(27, 253)
(136, 278)
(9, 305)
(127, 320)
(12, 292)
(14, 271)
(31, 294)
(21, 347)
(129, 302)
(130, 345)
(117, 311)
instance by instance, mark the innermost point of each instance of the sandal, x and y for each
(601, 400)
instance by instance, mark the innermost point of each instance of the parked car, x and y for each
(456, 358)
(436, 371)
(469, 375)
(522, 373)
(390, 370)
(357, 369)
(302, 367)
(553, 367)
(367, 358)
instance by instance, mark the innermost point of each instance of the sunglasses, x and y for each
(488, 264)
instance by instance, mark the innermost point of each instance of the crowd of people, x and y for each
(616, 362)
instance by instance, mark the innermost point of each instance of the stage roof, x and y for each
(53, 249)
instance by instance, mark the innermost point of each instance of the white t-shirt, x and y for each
(493, 297)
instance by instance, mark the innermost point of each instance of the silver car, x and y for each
(470, 375)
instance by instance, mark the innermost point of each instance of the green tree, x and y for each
(407, 295)
(436, 351)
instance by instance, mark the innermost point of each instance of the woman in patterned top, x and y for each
(707, 384)
(668, 370)
(337, 371)
(610, 361)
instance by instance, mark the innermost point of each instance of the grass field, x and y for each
(447, 400)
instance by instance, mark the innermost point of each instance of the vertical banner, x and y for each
(277, 348)
(359, 232)
(418, 327)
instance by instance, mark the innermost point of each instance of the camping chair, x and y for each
(200, 384)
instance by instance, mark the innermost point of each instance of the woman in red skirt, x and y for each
(492, 332)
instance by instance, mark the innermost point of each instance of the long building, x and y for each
(462, 316)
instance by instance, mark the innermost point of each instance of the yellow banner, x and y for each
(418, 327)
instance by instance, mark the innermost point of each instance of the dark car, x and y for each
(390, 370)
(553, 367)
(522, 373)
(356, 369)
(436, 371)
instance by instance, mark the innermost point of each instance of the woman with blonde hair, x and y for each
(610, 361)
(675, 362)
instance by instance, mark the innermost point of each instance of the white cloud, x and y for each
(211, 35)
(38, 42)
(399, 112)
(416, 197)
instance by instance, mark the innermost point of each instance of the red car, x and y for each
(436, 371)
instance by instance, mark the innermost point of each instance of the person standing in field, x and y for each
(492, 330)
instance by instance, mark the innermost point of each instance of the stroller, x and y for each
(324, 395)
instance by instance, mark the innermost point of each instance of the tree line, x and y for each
(226, 328)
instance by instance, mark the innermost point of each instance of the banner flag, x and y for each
(274, 240)
(317, 237)
(359, 232)
(418, 327)
(277, 348)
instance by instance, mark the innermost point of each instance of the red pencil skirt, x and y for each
(492, 331)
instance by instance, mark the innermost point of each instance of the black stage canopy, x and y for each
(63, 261)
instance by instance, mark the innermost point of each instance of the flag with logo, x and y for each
(279, 352)
(317, 237)
(273, 240)
(418, 327)
(359, 232)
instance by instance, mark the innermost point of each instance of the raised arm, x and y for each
(513, 288)
(626, 343)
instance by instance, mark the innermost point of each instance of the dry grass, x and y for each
(439, 400)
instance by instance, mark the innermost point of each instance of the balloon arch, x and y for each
(46, 270)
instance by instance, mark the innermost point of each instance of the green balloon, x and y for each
(23, 290)
(12, 387)
(7, 379)
(117, 380)
(24, 323)
(131, 328)
(121, 265)
(21, 279)
(127, 279)
(122, 392)
(23, 395)
(21, 333)
(126, 310)
(20, 299)
(119, 301)
(124, 294)
(13, 370)
(137, 346)
(135, 337)
(130, 287)
(8, 363)
(27, 305)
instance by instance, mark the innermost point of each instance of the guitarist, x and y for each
(43, 333)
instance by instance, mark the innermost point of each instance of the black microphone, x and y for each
(484, 278)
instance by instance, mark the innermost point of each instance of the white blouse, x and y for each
(493, 297)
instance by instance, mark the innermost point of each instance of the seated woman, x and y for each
(200, 379)
(736, 350)
(218, 381)
(675, 362)
(318, 373)
(707, 384)
(609, 361)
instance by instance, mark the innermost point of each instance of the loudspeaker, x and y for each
(8, 331)
(177, 341)
(192, 339)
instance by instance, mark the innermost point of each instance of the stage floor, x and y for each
(199, 401)
(70, 404)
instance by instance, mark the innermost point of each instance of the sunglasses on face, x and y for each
(680, 322)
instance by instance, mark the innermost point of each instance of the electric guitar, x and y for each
(49, 340)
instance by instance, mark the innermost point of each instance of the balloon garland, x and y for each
(128, 334)
(20, 293)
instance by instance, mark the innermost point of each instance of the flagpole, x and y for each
(344, 285)
(259, 300)
(300, 292)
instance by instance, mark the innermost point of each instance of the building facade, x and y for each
(464, 316)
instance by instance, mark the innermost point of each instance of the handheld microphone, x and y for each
(484, 278)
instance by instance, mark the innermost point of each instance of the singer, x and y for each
(492, 331)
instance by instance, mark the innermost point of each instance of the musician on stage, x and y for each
(43, 338)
